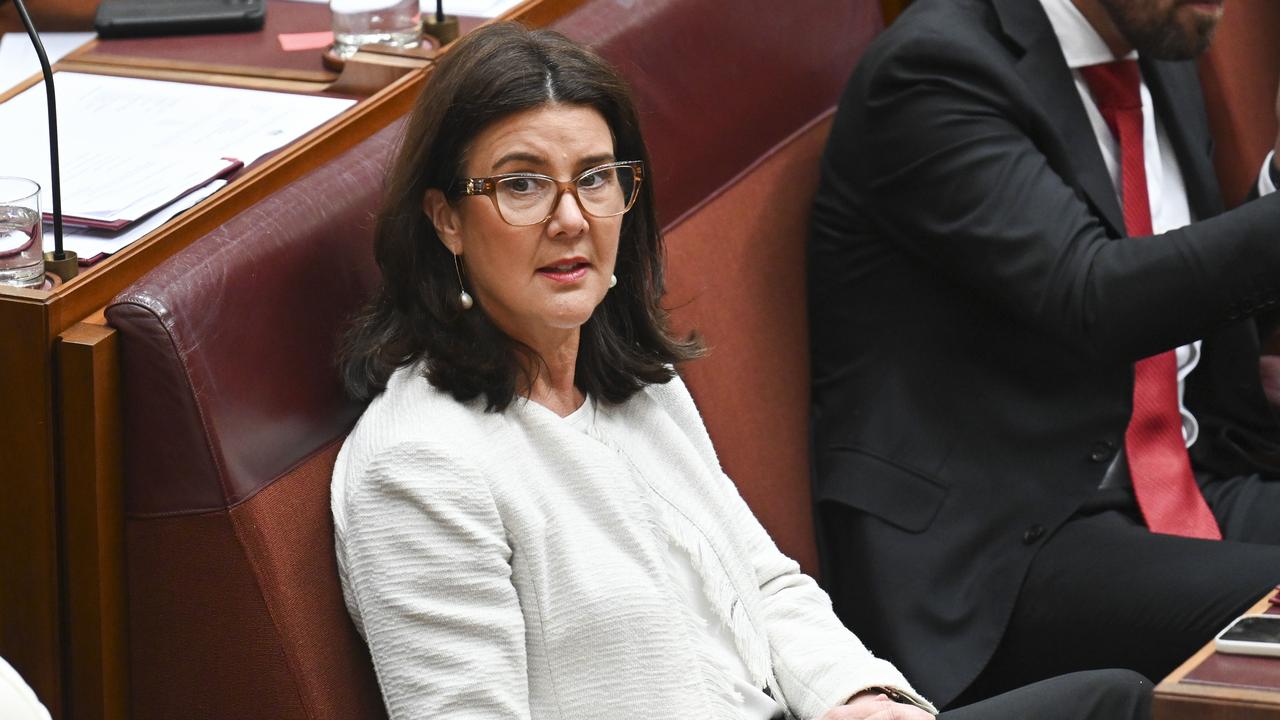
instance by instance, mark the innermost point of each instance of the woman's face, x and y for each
(538, 283)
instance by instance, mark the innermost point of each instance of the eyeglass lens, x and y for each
(527, 200)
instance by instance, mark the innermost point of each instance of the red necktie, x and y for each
(1167, 493)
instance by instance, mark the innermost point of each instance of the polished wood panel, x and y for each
(29, 598)
(93, 522)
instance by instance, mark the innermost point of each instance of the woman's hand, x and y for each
(875, 705)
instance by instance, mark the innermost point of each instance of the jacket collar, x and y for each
(1047, 78)
(1176, 95)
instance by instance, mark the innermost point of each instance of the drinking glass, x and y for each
(397, 23)
(21, 252)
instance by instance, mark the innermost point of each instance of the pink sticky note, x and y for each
(290, 42)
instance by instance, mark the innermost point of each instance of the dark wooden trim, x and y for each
(93, 523)
(29, 622)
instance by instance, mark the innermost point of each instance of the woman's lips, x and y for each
(568, 272)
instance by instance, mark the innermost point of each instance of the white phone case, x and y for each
(1247, 647)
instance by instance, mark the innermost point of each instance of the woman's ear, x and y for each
(445, 219)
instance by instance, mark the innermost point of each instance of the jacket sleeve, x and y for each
(427, 571)
(944, 150)
(819, 663)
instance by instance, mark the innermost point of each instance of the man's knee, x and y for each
(1118, 694)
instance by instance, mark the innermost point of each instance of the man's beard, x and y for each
(1159, 35)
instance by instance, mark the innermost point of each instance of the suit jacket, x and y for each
(976, 313)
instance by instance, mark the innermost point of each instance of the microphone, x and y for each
(444, 28)
(63, 263)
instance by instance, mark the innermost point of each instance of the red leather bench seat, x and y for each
(233, 417)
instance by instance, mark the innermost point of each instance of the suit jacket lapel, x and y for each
(1050, 83)
(1175, 93)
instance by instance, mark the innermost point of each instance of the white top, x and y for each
(1166, 191)
(510, 565)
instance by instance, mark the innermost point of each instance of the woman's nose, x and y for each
(568, 217)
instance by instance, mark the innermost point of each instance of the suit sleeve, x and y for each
(942, 148)
(429, 568)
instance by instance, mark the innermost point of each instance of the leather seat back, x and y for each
(735, 105)
(1239, 75)
(233, 417)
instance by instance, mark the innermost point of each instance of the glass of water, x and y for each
(21, 254)
(397, 23)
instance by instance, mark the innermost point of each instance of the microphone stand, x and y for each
(444, 28)
(63, 263)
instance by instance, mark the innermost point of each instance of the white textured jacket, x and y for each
(508, 565)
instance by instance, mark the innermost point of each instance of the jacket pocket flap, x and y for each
(900, 496)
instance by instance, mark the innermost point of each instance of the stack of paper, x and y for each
(131, 147)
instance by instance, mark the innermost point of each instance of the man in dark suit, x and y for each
(1035, 333)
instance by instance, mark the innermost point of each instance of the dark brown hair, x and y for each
(489, 74)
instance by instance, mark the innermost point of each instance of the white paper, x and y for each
(18, 60)
(469, 8)
(131, 146)
(91, 243)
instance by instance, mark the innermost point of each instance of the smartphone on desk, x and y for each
(138, 18)
(1250, 635)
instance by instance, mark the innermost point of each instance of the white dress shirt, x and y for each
(1265, 185)
(1082, 46)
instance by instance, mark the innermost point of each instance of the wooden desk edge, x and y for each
(1172, 691)
(93, 579)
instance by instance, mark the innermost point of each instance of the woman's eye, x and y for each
(595, 180)
(521, 185)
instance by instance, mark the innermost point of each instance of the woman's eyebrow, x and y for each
(519, 156)
(593, 160)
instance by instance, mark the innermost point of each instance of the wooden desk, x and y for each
(61, 567)
(1214, 686)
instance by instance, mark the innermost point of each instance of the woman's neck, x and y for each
(553, 382)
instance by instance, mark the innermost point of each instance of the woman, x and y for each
(530, 518)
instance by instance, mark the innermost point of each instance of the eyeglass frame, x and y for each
(488, 186)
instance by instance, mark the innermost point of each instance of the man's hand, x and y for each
(1269, 367)
(875, 705)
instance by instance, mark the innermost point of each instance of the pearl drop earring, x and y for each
(613, 281)
(464, 299)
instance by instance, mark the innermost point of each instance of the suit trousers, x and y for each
(1092, 695)
(1104, 591)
